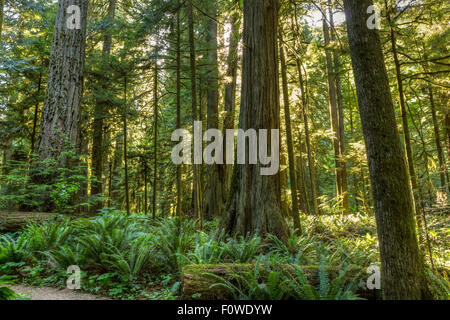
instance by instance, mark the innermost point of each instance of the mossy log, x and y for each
(13, 221)
(198, 279)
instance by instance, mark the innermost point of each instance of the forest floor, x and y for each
(47, 293)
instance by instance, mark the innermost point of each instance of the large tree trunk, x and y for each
(287, 118)
(255, 206)
(100, 113)
(402, 267)
(62, 107)
(214, 194)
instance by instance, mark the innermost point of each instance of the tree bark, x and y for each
(1, 19)
(256, 205)
(155, 137)
(98, 149)
(125, 145)
(437, 136)
(195, 114)
(303, 90)
(287, 119)
(333, 107)
(214, 194)
(62, 107)
(230, 90)
(407, 136)
(402, 267)
(341, 125)
(179, 191)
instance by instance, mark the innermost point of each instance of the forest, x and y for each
(224, 149)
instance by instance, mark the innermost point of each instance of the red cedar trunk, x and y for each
(256, 204)
(62, 106)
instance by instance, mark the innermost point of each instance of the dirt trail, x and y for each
(46, 293)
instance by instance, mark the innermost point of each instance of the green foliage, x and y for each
(5, 292)
(243, 249)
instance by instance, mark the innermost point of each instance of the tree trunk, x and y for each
(287, 119)
(62, 107)
(303, 90)
(1, 20)
(179, 191)
(341, 125)
(230, 91)
(214, 194)
(256, 205)
(155, 137)
(437, 140)
(409, 155)
(195, 114)
(402, 267)
(98, 149)
(334, 118)
(36, 113)
(125, 145)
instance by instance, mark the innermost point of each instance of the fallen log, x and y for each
(198, 280)
(14, 221)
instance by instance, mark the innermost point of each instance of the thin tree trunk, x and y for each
(98, 149)
(214, 194)
(334, 119)
(230, 91)
(402, 267)
(125, 146)
(155, 137)
(196, 191)
(437, 140)
(287, 119)
(1, 20)
(36, 113)
(311, 164)
(178, 212)
(409, 155)
(341, 125)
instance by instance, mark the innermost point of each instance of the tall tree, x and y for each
(62, 106)
(402, 267)
(178, 44)
(214, 195)
(1, 19)
(155, 135)
(195, 113)
(333, 107)
(255, 206)
(287, 119)
(230, 86)
(100, 113)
